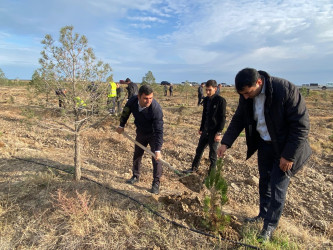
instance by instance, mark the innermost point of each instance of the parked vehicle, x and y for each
(317, 86)
(225, 85)
(328, 85)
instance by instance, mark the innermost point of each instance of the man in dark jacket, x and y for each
(132, 88)
(171, 89)
(148, 117)
(200, 93)
(276, 123)
(212, 124)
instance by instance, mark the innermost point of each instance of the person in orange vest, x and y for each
(112, 96)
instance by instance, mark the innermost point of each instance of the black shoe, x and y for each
(190, 171)
(155, 188)
(253, 219)
(133, 180)
(265, 235)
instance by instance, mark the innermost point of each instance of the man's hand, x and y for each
(285, 165)
(218, 137)
(120, 130)
(221, 150)
(158, 155)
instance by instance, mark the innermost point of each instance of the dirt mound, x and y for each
(193, 182)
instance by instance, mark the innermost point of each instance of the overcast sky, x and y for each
(178, 40)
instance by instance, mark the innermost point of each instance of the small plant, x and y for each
(215, 219)
(29, 113)
(73, 206)
(304, 91)
(331, 137)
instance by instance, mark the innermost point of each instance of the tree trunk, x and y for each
(77, 155)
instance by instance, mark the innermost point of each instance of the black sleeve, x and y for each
(221, 115)
(236, 125)
(126, 112)
(204, 114)
(158, 127)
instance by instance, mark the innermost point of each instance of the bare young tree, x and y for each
(70, 66)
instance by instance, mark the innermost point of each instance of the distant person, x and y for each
(212, 124)
(165, 90)
(94, 95)
(276, 121)
(132, 88)
(112, 96)
(200, 93)
(61, 93)
(120, 98)
(171, 89)
(218, 91)
(148, 119)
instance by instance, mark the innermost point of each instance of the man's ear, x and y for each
(259, 82)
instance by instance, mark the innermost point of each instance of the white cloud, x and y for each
(147, 19)
(141, 25)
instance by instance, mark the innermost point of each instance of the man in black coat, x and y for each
(148, 117)
(212, 124)
(200, 93)
(276, 122)
(132, 88)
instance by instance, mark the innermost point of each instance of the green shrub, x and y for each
(215, 220)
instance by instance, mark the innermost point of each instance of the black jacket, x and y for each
(148, 121)
(200, 91)
(287, 121)
(215, 115)
(132, 89)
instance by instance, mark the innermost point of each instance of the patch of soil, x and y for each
(193, 182)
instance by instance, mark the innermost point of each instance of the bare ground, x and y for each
(25, 133)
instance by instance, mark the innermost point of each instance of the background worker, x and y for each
(112, 96)
(61, 93)
(200, 93)
(165, 90)
(276, 123)
(212, 124)
(132, 88)
(120, 98)
(148, 119)
(171, 89)
(218, 91)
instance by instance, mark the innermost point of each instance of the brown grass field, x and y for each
(43, 208)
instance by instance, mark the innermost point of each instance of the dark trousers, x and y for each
(273, 185)
(206, 139)
(138, 153)
(199, 99)
(119, 105)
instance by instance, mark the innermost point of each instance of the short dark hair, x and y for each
(128, 80)
(145, 89)
(246, 78)
(212, 83)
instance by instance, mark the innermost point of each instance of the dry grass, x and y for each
(50, 211)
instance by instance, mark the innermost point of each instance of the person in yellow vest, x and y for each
(112, 96)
